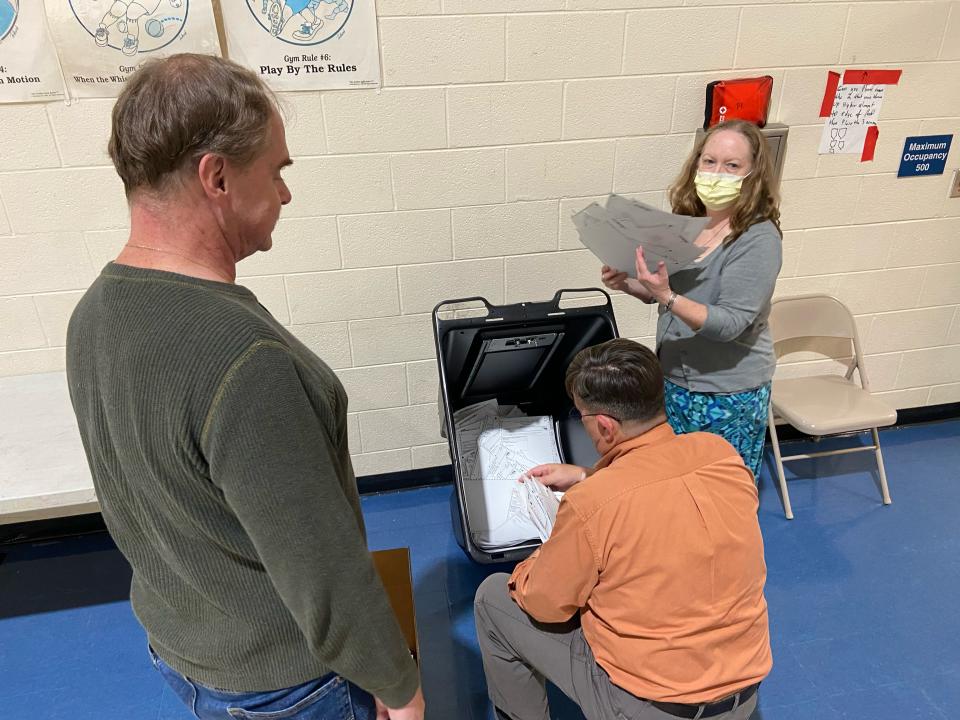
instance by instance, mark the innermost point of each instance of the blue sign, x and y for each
(924, 155)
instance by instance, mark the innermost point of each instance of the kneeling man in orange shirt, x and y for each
(647, 600)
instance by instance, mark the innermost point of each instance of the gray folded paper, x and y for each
(613, 233)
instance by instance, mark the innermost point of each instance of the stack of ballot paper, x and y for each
(613, 233)
(497, 445)
(542, 506)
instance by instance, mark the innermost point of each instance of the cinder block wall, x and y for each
(497, 120)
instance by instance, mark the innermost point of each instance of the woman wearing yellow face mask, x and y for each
(712, 336)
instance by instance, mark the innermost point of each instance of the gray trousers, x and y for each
(520, 654)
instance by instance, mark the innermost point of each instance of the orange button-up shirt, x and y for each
(660, 552)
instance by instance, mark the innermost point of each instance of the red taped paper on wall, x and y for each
(833, 80)
(871, 77)
(870, 143)
(852, 108)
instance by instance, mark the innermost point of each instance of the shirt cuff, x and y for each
(400, 693)
(711, 327)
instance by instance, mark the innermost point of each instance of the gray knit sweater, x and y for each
(733, 351)
(218, 448)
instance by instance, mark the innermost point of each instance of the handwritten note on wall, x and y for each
(855, 109)
(852, 108)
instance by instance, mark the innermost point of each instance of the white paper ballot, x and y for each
(496, 445)
(613, 233)
(643, 215)
(542, 506)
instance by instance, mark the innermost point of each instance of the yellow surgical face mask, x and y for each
(718, 190)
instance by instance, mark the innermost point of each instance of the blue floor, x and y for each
(863, 601)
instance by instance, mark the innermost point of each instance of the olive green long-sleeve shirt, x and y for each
(218, 448)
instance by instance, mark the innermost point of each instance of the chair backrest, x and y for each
(810, 316)
(816, 315)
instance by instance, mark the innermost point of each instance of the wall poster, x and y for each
(102, 42)
(28, 61)
(305, 44)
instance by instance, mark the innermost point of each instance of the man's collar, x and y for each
(654, 436)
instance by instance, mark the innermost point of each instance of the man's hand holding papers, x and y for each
(557, 476)
(542, 506)
(543, 486)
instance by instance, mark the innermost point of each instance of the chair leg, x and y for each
(775, 441)
(884, 490)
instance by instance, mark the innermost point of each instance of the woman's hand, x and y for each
(656, 285)
(616, 280)
(557, 476)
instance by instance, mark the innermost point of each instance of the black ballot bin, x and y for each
(517, 354)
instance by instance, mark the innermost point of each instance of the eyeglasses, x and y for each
(575, 414)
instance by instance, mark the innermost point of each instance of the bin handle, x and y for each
(438, 307)
(558, 296)
(492, 310)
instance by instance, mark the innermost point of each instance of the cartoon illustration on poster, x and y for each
(28, 62)
(301, 21)
(120, 25)
(305, 44)
(8, 16)
(101, 42)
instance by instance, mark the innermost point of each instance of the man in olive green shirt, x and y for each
(217, 442)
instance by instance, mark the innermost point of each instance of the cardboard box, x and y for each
(394, 569)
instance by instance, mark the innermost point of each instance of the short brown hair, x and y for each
(620, 378)
(759, 199)
(175, 110)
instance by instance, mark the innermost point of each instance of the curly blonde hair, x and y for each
(759, 199)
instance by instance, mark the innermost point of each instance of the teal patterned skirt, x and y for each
(739, 418)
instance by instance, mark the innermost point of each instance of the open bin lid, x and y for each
(518, 355)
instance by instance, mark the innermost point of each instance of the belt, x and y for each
(707, 710)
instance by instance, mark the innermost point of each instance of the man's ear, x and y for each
(608, 427)
(212, 175)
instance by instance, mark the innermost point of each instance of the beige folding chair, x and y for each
(823, 404)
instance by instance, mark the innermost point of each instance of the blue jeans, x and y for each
(327, 698)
